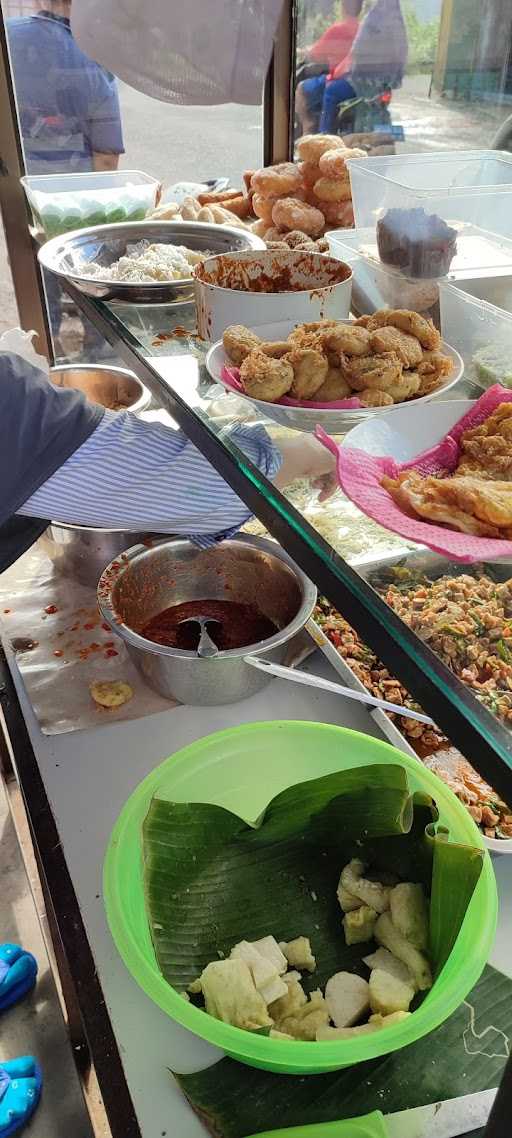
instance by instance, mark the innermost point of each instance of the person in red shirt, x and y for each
(333, 50)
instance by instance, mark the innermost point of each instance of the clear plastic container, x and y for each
(373, 284)
(63, 202)
(473, 186)
(376, 285)
(481, 332)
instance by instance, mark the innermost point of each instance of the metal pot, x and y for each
(82, 552)
(112, 387)
(170, 572)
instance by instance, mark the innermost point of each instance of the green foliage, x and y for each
(422, 38)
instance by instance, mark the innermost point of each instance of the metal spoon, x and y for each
(310, 681)
(206, 646)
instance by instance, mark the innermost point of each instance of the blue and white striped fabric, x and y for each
(135, 475)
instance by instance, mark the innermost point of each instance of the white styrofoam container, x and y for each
(324, 291)
(481, 332)
(460, 186)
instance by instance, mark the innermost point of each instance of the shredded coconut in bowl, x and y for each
(145, 262)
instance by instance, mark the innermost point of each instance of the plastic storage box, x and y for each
(481, 332)
(376, 285)
(62, 202)
(459, 186)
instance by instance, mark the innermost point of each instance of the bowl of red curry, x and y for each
(255, 598)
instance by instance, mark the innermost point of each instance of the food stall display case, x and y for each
(350, 559)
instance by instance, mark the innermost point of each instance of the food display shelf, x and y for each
(158, 343)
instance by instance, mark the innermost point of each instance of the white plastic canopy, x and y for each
(199, 52)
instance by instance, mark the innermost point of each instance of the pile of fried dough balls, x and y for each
(306, 197)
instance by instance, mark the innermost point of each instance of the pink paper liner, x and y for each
(231, 377)
(360, 474)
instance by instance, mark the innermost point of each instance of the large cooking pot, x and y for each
(147, 580)
(82, 552)
(113, 387)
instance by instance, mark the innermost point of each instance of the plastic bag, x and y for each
(20, 344)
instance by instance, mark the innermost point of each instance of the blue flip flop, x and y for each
(18, 974)
(21, 1083)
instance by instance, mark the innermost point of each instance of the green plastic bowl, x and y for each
(242, 769)
(371, 1126)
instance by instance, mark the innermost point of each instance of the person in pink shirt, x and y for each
(333, 50)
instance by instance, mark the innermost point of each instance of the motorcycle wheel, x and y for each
(503, 138)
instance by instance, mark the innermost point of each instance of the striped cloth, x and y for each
(135, 475)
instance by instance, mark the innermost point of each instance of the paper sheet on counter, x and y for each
(58, 685)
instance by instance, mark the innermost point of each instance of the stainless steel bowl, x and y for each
(246, 569)
(67, 256)
(113, 387)
(81, 552)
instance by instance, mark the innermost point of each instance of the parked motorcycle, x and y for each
(359, 116)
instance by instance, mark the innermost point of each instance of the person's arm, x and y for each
(135, 475)
(104, 161)
(103, 126)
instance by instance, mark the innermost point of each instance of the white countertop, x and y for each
(88, 776)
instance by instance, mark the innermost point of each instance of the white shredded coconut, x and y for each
(144, 262)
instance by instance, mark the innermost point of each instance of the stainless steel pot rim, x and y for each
(144, 396)
(285, 634)
(89, 529)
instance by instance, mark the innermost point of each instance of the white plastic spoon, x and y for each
(327, 685)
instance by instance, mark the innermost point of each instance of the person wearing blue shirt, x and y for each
(68, 105)
(68, 108)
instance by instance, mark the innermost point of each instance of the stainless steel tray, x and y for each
(385, 725)
(67, 256)
(421, 561)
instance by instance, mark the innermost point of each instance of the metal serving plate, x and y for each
(68, 256)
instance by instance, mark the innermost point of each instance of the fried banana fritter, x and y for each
(346, 340)
(276, 348)
(333, 388)
(467, 504)
(239, 342)
(389, 339)
(372, 397)
(310, 369)
(265, 378)
(406, 321)
(372, 371)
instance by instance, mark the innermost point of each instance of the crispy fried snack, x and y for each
(379, 372)
(239, 342)
(311, 146)
(347, 340)
(310, 369)
(487, 449)
(216, 197)
(275, 348)
(332, 190)
(407, 321)
(284, 178)
(332, 162)
(291, 213)
(372, 397)
(471, 505)
(333, 388)
(389, 339)
(265, 378)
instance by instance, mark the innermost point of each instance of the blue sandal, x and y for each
(21, 1083)
(18, 973)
